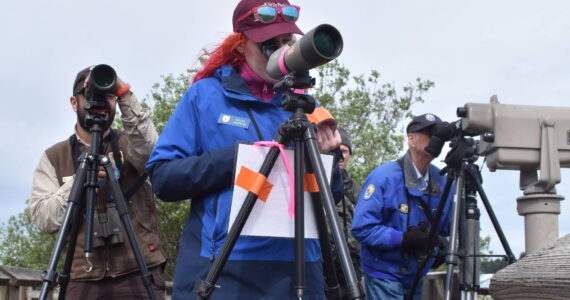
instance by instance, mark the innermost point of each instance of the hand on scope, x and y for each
(101, 175)
(444, 130)
(120, 88)
(328, 138)
(415, 239)
(441, 133)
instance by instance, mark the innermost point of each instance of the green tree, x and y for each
(23, 245)
(490, 265)
(162, 101)
(484, 243)
(370, 110)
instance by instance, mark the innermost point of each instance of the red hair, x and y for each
(227, 52)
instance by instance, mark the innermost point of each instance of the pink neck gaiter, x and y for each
(259, 88)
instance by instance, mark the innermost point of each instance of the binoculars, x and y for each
(107, 227)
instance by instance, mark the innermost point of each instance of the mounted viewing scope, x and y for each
(102, 82)
(530, 139)
(521, 137)
(317, 47)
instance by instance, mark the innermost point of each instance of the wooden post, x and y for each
(4, 281)
(19, 279)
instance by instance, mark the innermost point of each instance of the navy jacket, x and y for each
(194, 158)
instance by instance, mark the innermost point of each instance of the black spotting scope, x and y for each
(317, 47)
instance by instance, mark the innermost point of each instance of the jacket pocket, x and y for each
(215, 232)
(143, 208)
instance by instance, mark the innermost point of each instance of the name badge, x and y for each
(234, 121)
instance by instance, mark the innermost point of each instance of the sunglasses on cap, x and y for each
(268, 14)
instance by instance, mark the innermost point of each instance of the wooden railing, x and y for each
(24, 284)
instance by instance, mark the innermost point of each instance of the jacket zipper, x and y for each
(213, 246)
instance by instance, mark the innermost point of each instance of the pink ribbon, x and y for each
(282, 67)
(287, 164)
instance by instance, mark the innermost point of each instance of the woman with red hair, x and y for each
(231, 99)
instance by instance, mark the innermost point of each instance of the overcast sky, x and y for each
(517, 50)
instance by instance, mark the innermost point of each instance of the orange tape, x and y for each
(310, 181)
(321, 114)
(254, 182)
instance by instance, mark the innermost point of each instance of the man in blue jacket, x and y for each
(394, 213)
(231, 100)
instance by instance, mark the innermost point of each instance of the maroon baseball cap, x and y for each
(257, 31)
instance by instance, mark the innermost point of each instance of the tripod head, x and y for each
(297, 103)
(94, 121)
(463, 147)
(293, 101)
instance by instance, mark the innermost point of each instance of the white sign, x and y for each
(271, 218)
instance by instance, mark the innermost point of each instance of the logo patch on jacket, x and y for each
(233, 121)
(369, 191)
(114, 163)
(404, 208)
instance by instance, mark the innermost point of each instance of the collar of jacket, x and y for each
(411, 177)
(236, 88)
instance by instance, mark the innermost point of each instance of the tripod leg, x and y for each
(510, 256)
(299, 218)
(332, 289)
(64, 275)
(49, 275)
(90, 211)
(452, 256)
(469, 242)
(353, 289)
(433, 233)
(205, 288)
(92, 184)
(123, 212)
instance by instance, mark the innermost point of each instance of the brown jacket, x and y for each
(118, 259)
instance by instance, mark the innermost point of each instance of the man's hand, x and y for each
(122, 89)
(328, 138)
(415, 239)
(101, 175)
(441, 133)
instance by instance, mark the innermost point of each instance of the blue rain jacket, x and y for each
(385, 211)
(194, 158)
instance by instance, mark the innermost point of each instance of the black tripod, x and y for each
(86, 182)
(464, 173)
(299, 130)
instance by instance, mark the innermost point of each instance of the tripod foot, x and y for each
(204, 289)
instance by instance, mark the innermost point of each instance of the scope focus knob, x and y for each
(489, 137)
(462, 112)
